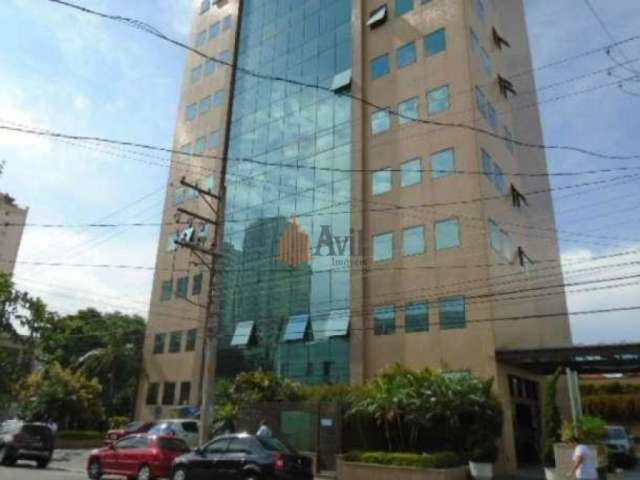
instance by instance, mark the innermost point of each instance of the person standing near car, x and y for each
(585, 463)
(264, 431)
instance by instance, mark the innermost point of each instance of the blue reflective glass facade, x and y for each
(282, 214)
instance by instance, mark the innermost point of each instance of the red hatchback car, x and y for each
(129, 429)
(141, 457)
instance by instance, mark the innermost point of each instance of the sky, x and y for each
(73, 73)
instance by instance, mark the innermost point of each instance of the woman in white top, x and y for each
(585, 463)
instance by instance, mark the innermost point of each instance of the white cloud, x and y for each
(603, 327)
(13, 112)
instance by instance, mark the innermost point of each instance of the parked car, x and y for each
(26, 441)
(242, 456)
(188, 430)
(129, 429)
(139, 456)
(621, 446)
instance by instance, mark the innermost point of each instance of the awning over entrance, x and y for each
(583, 359)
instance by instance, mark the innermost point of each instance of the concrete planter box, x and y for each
(564, 457)
(372, 471)
(314, 461)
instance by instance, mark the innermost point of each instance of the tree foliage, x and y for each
(67, 396)
(551, 419)
(456, 413)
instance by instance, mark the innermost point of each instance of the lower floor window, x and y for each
(385, 320)
(452, 313)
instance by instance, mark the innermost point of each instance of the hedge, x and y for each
(620, 407)
(79, 435)
(418, 460)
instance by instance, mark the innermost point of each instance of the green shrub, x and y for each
(399, 459)
(625, 406)
(79, 435)
(485, 454)
(551, 420)
(585, 430)
(118, 422)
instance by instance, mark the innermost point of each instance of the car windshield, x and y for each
(40, 431)
(275, 445)
(132, 426)
(616, 433)
(191, 427)
(174, 445)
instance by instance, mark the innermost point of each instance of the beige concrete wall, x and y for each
(180, 314)
(10, 235)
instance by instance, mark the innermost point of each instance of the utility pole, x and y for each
(212, 320)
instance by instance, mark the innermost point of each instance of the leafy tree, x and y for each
(67, 396)
(551, 420)
(107, 346)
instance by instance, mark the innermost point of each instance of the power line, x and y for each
(139, 25)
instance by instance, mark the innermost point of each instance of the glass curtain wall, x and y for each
(286, 264)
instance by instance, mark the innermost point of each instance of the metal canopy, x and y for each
(583, 359)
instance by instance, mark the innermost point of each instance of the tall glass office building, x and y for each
(285, 309)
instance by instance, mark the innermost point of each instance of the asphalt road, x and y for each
(25, 471)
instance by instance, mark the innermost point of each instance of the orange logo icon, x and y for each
(295, 246)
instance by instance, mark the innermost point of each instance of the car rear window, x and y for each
(132, 426)
(40, 431)
(191, 427)
(174, 445)
(274, 445)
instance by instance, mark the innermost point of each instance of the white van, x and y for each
(187, 430)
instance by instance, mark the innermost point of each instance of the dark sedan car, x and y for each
(243, 457)
(26, 441)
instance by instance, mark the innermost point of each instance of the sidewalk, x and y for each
(71, 460)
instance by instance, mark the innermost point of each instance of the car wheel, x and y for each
(179, 474)
(42, 463)
(95, 470)
(251, 476)
(6, 458)
(144, 473)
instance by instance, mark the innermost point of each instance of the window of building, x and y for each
(214, 30)
(225, 56)
(180, 196)
(380, 122)
(243, 333)
(493, 172)
(214, 140)
(406, 55)
(298, 329)
(218, 98)
(380, 66)
(481, 102)
(167, 290)
(383, 247)
(452, 313)
(182, 287)
(500, 242)
(403, 6)
(175, 342)
(227, 23)
(196, 74)
(410, 173)
(416, 317)
(341, 81)
(443, 163)
(204, 6)
(185, 393)
(381, 181)
(158, 343)
(338, 323)
(487, 63)
(435, 42)
(447, 234)
(384, 318)
(196, 286)
(377, 17)
(493, 117)
(495, 238)
(200, 146)
(480, 9)
(169, 393)
(153, 389)
(326, 369)
(409, 111)
(201, 38)
(209, 68)
(191, 112)
(192, 335)
(438, 100)
(413, 241)
(205, 105)
(185, 149)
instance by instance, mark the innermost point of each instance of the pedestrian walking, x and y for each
(585, 463)
(264, 431)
